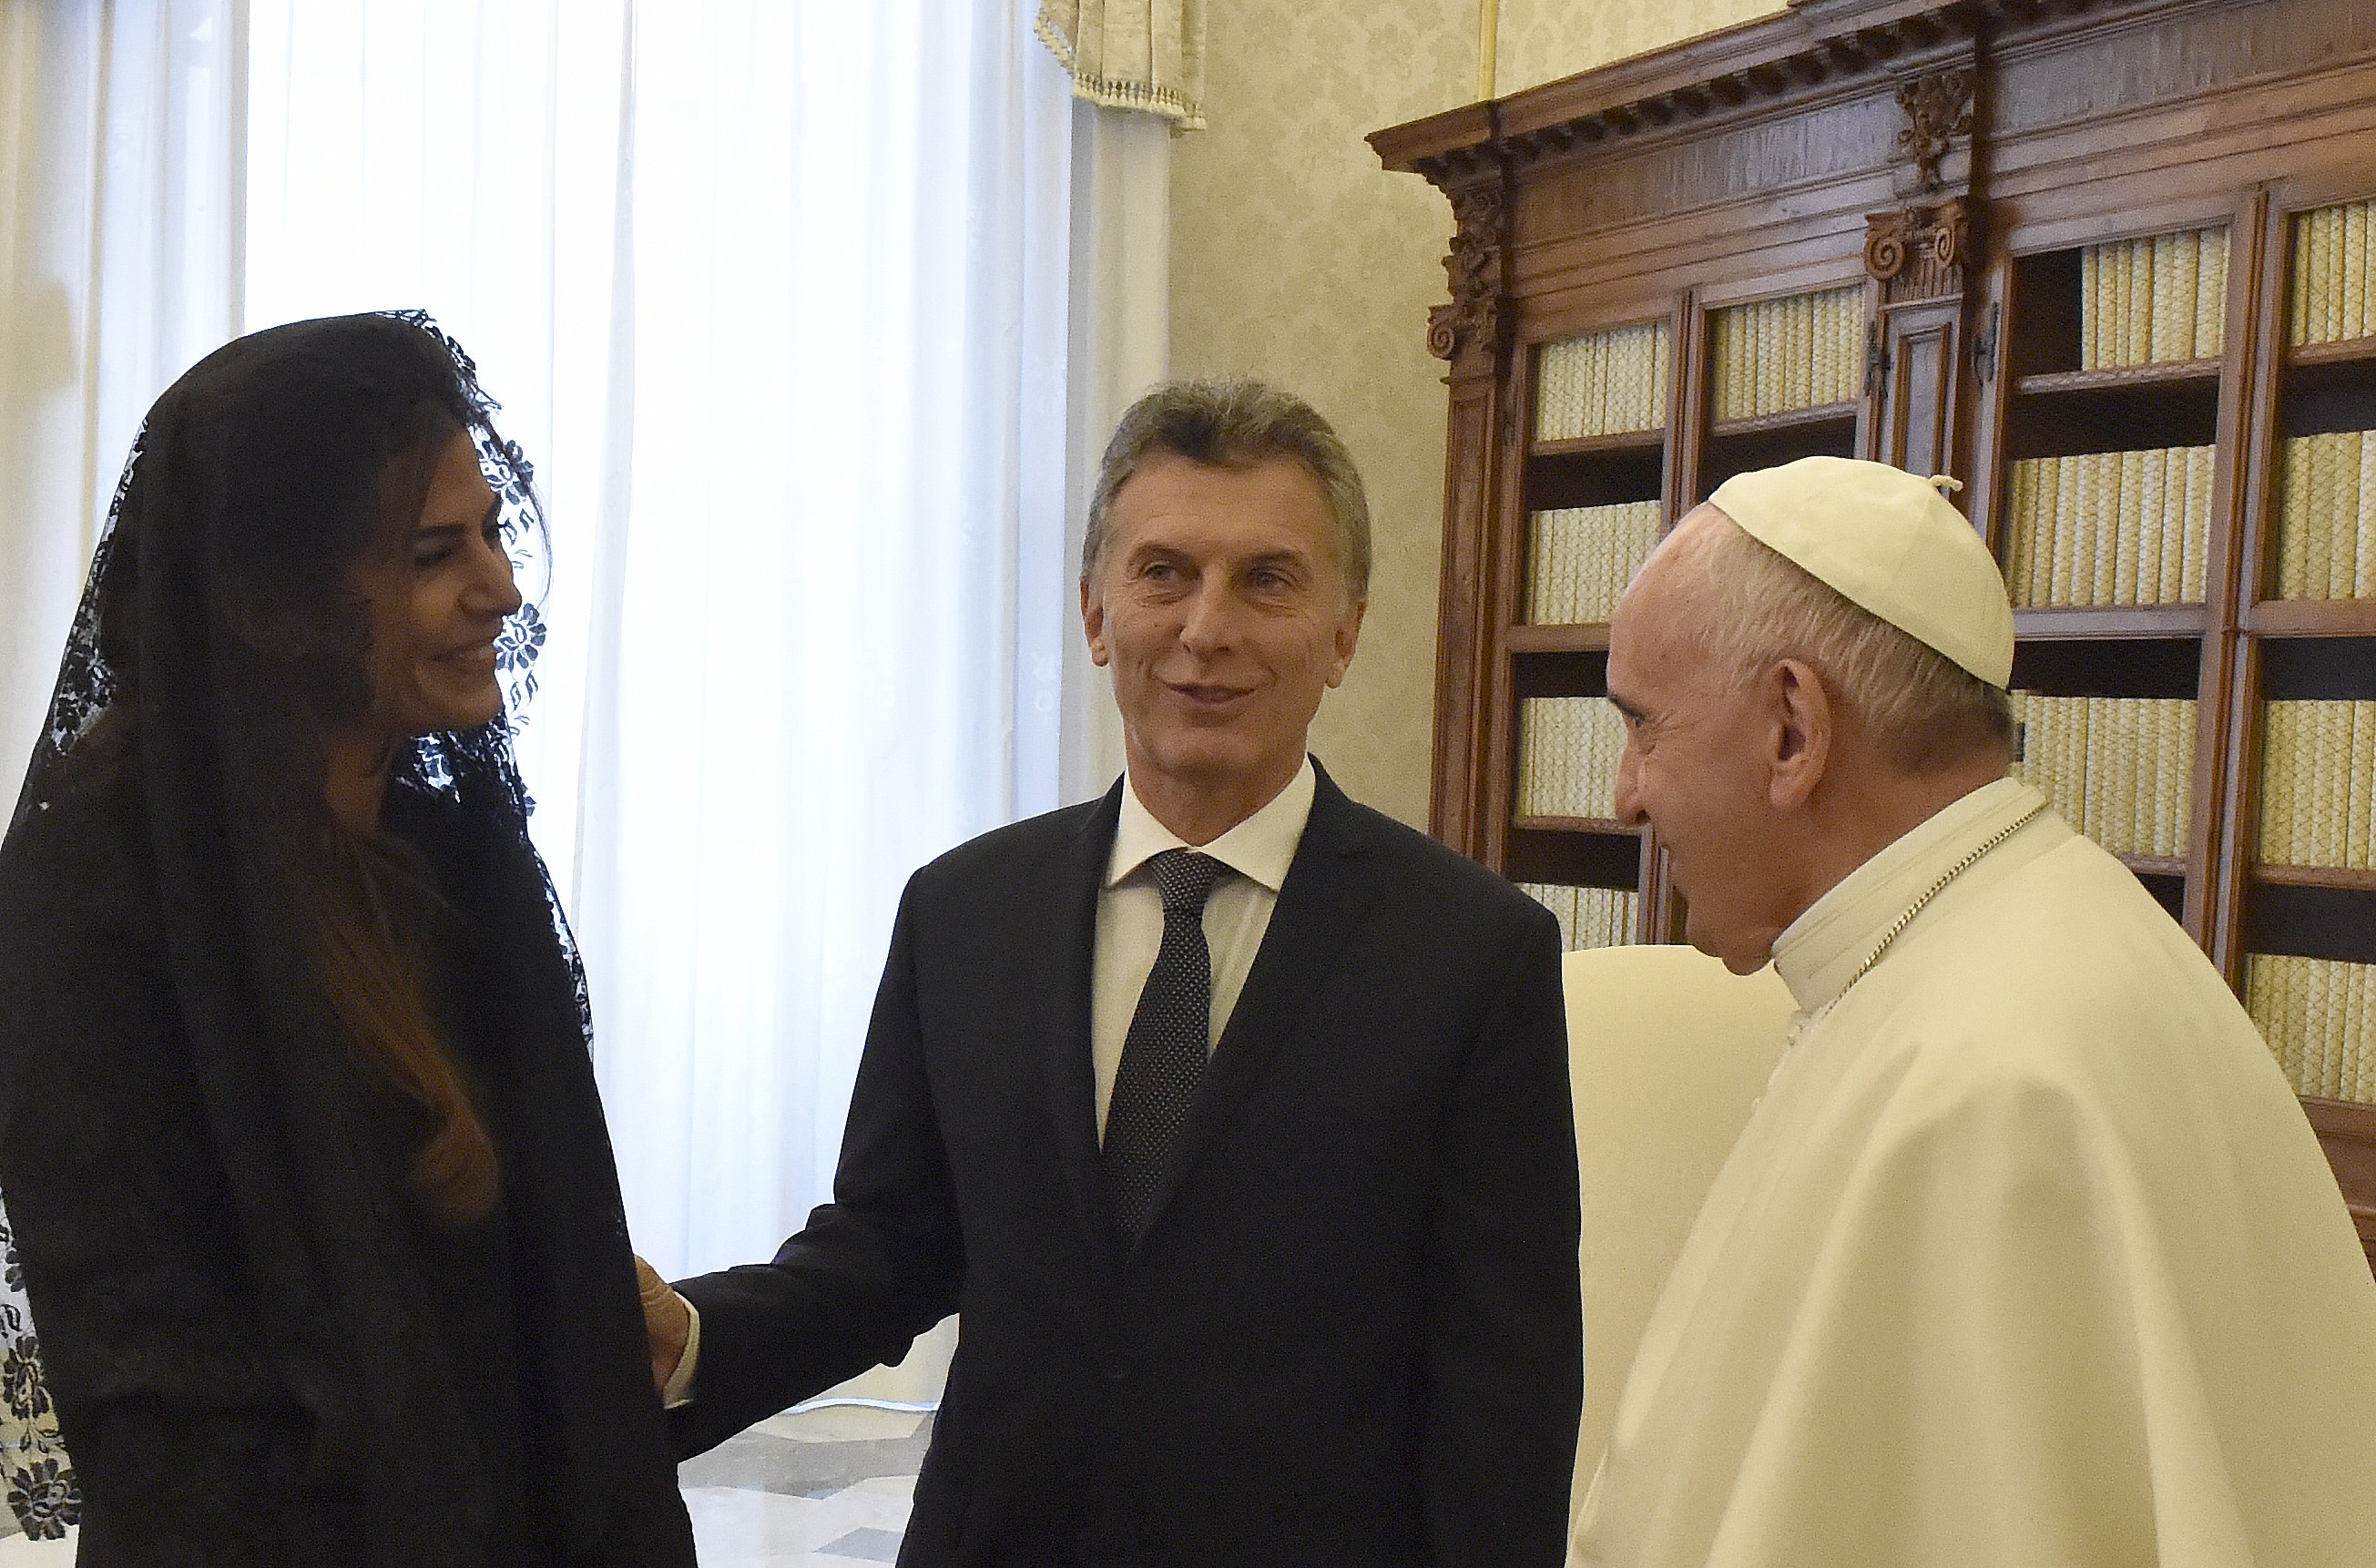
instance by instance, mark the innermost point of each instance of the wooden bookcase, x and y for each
(1975, 168)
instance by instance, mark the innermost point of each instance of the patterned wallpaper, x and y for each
(1295, 257)
(1542, 41)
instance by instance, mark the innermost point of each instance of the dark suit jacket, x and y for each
(1351, 1332)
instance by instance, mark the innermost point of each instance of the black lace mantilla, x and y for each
(480, 762)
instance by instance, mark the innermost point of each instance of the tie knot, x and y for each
(1186, 879)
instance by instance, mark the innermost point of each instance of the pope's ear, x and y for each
(1804, 726)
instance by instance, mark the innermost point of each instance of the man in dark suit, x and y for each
(1230, 1116)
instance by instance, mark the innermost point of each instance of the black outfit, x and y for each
(1350, 1332)
(262, 1350)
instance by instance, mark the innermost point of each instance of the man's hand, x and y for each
(667, 1321)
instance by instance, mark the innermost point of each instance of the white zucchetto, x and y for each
(1890, 543)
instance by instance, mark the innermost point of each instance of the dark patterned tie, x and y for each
(1163, 1056)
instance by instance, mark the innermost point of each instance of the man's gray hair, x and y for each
(1922, 709)
(1233, 424)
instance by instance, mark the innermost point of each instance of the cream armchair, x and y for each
(1668, 1054)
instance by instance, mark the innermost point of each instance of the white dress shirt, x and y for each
(1130, 913)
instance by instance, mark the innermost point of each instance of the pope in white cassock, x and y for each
(2027, 1255)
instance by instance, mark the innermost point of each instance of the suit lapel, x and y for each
(1318, 905)
(1058, 970)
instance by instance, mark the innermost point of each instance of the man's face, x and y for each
(1221, 606)
(1693, 768)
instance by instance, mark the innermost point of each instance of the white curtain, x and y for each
(120, 238)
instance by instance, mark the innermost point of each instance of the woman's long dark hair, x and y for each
(263, 480)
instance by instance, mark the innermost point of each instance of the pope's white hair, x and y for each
(1757, 607)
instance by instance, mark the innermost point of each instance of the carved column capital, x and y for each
(1477, 318)
(1919, 252)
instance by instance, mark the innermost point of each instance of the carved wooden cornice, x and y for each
(1816, 44)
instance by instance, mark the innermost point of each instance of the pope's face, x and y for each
(1693, 768)
(1221, 607)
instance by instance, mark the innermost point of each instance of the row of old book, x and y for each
(1588, 917)
(1568, 749)
(2153, 301)
(2326, 516)
(1800, 352)
(2319, 1016)
(2110, 528)
(2334, 275)
(2121, 769)
(2318, 783)
(1580, 558)
(1602, 383)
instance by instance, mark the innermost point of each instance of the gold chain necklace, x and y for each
(1898, 927)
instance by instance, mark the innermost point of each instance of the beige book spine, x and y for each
(2187, 718)
(2162, 718)
(2090, 546)
(2185, 291)
(2138, 332)
(2337, 327)
(2116, 305)
(1722, 367)
(1538, 568)
(2363, 520)
(2346, 457)
(2094, 769)
(1559, 400)
(2330, 767)
(2074, 719)
(2294, 521)
(1600, 423)
(1766, 351)
(2173, 329)
(2091, 306)
(2326, 503)
(2211, 296)
(2358, 1083)
(2359, 777)
(2353, 265)
(2057, 493)
(2314, 276)
(2333, 989)
(2128, 546)
(2021, 530)
(1531, 750)
(2119, 814)
(2154, 520)
(2280, 766)
(1733, 366)
(2298, 282)
(1662, 352)
(2179, 493)
(2195, 557)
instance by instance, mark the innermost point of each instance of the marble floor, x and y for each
(825, 1488)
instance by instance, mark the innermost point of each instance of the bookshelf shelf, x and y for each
(1601, 825)
(2347, 879)
(2155, 865)
(1624, 441)
(1810, 420)
(2119, 623)
(2125, 378)
(2349, 352)
(1589, 638)
(2312, 618)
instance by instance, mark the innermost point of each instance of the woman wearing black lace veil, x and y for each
(299, 1135)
